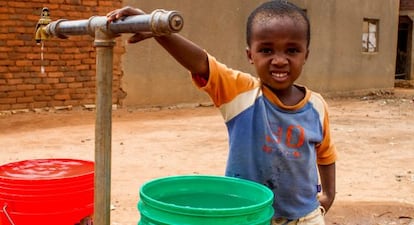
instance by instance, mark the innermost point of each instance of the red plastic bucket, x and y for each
(46, 191)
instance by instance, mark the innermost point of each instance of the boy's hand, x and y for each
(120, 14)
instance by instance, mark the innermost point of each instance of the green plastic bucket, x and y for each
(204, 200)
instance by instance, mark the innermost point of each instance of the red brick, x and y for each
(82, 67)
(3, 69)
(7, 62)
(69, 80)
(51, 68)
(82, 56)
(24, 63)
(32, 56)
(4, 107)
(14, 81)
(71, 50)
(89, 84)
(55, 74)
(42, 98)
(21, 74)
(17, 4)
(20, 106)
(88, 73)
(90, 2)
(15, 43)
(25, 99)
(60, 86)
(82, 90)
(66, 57)
(43, 86)
(32, 80)
(15, 94)
(51, 80)
(50, 57)
(73, 62)
(7, 88)
(7, 100)
(50, 92)
(62, 97)
(58, 63)
(14, 69)
(25, 87)
(52, 7)
(75, 85)
(39, 104)
(88, 61)
(33, 93)
(78, 96)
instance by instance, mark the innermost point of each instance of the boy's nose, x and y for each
(279, 60)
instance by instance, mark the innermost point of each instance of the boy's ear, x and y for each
(307, 54)
(249, 55)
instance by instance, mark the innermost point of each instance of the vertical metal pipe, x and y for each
(103, 128)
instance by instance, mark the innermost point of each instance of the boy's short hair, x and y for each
(276, 8)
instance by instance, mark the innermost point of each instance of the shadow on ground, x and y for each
(370, 213)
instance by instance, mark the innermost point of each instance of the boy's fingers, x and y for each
(123, 12)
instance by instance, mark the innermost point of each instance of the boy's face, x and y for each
(278, 50)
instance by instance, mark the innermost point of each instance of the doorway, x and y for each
(404, 44)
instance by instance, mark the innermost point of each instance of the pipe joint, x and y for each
(165, 22)
(53, 29)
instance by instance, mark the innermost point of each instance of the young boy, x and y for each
(278, 131)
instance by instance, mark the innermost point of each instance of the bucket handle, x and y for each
(7, 214)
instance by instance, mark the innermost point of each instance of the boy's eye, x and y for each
(265, 50)
(292, 50)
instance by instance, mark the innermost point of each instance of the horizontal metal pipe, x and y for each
(63, 28)
(159, 22)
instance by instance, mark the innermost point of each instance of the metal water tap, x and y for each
(40, 33)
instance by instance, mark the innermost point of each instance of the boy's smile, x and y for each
(278, 50)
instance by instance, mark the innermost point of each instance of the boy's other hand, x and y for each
(123, 12)
(126, 11)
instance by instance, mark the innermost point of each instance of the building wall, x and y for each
(69, 65)
(336, 64)
(152, 77)
(406, 5)
(144, 74)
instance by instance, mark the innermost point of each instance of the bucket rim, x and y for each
(206, 212)
(7, 176)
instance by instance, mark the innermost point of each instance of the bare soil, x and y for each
(373, 134)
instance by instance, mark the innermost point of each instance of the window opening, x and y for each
(370, 35)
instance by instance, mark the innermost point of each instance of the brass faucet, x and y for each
(44, 20)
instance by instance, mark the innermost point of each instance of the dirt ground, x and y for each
(373, 134)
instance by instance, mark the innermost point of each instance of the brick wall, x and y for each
(406, 4)
(69, 65)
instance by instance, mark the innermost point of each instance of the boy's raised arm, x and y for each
(188, 54)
